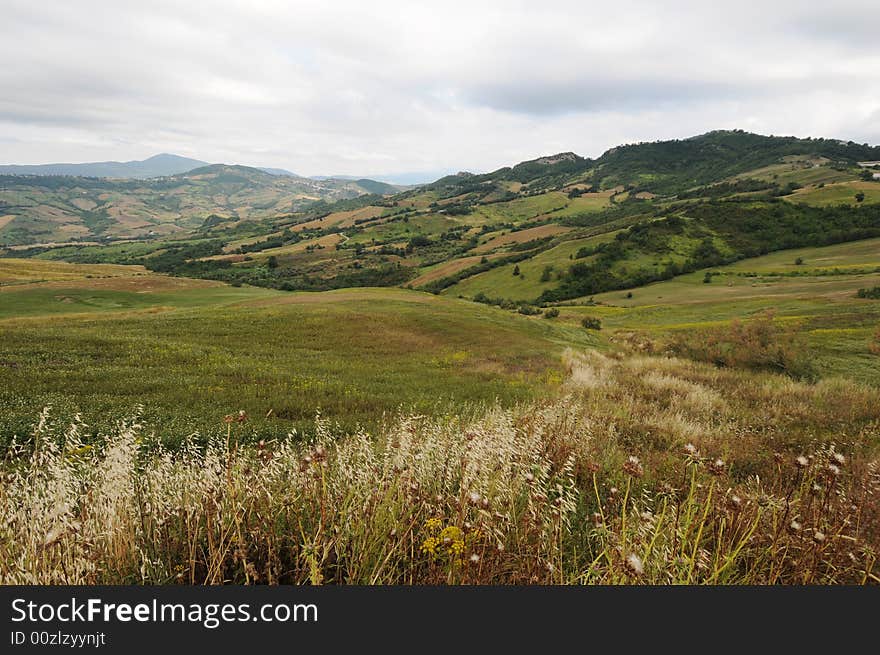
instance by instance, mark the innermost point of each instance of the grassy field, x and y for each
(500, 282)
(818, 296)
(191, 351)
(21, 271)
(837, 193)
(641, 470)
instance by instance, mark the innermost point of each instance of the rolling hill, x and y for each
(61, 208)
(557, 228)
(695, 324)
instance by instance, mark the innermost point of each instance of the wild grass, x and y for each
(642, 470)
(355, 355)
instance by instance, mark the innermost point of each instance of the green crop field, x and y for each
(189, 352)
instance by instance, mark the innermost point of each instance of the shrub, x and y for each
(873, 292)
(760, 343)
(551, 313)
(591, 323)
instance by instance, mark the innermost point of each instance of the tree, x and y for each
(799, 261)
(707, 278)
(516, 270)
(272, 262)
(860, 197)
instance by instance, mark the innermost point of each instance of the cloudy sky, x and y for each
(387, 87)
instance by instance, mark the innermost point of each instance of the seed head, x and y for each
(818, 537)
(795, 525)
(801, 462)
(833, 470)
(242, 416)
(690, 449)
(839, 459)
(633, 564)
(632, 466)
(474, 498)
(474, 558)
(530, 477)
(717, 467)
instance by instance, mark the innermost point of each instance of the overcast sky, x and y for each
(385, 87)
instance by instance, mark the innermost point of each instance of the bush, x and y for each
(760, 344)
(551, 313)
(873, 292)
(591, 323)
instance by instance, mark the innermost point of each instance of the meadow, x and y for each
(640, 470)
(190, 351)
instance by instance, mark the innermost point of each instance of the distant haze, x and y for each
(405, 91)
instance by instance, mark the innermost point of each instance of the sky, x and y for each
(386, 87)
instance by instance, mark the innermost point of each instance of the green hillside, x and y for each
(54, 208)
(544, 231)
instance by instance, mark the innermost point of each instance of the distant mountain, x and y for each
(396, 179)
(156, 166)
(45, 208)
(279, 171)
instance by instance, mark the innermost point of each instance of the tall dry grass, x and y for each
(644, 470)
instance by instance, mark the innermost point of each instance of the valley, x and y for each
(669, 351)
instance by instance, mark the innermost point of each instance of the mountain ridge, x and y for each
(156, 166)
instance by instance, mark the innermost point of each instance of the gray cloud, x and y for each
(393, 86)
